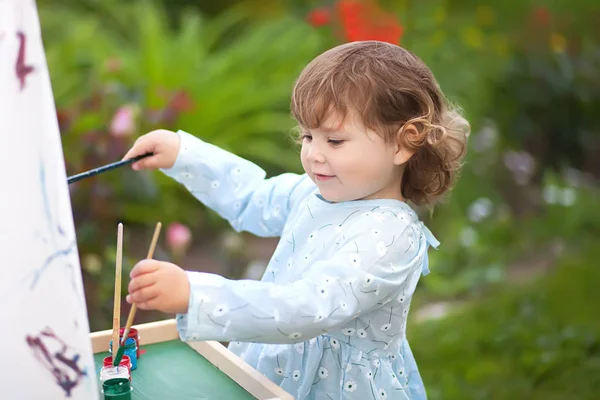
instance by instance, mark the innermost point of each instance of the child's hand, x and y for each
(159, 285)
(163, 143)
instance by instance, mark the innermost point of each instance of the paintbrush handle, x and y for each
(133, 309)
(117, 295)
(129, 323)
(105, 168)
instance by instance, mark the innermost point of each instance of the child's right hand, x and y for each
(163, 143)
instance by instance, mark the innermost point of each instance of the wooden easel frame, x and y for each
(235, 368)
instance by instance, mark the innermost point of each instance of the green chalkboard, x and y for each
(173, 370)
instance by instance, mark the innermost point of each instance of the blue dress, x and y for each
(328, 318)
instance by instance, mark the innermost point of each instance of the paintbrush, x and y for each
(121, 351)
(105, 168)
(117, 303)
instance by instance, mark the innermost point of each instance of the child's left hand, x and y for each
(159, 285)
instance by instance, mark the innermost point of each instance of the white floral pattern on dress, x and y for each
(323, 373)
(323, 292)
(350, 386)
(295, 335)
(220, 310)
(348, 331)
(334, 343)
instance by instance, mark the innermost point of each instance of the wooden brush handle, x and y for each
(133, 309)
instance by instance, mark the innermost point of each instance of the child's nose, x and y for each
(316, 154)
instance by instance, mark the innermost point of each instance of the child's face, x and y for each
(350, 162)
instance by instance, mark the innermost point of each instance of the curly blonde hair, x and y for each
(390, 88)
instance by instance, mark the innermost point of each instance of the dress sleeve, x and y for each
(236, 188)
(369, 267)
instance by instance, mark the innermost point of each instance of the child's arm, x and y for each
(365, 273)
(232, 186)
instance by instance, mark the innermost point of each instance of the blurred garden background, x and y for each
(508, 311)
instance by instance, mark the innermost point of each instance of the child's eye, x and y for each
(306, 136)
(336, 142)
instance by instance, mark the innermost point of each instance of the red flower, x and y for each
(319, 17)
(181, 101)
(365, 20)
(541, 15)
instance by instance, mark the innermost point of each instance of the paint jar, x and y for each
(130, 350)
(125, 362)
(117, 389)
(112, 372)
(133, 333)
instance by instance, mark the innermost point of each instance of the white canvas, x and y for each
(45, 347)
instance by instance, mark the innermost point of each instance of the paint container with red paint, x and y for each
(125, 362)
(133, 333)
(130, 350)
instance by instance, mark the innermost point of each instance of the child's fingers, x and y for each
(151, 162)
(148, 305)
(141, 146)
(144, 267)
(141, 281)
(143, 295)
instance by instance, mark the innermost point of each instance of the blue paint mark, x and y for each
(64, 252)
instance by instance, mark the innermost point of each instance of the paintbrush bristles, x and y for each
(133, 306)
(117, 299)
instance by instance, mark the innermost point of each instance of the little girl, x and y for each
(328, 319)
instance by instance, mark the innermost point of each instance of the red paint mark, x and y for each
(21, 68)
(65, 369)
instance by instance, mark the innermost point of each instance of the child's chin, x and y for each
(335, 197)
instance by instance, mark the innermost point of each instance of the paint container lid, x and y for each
(125, 361)
(129, 344)
(112, 372)
(117, 389)
(132, 332)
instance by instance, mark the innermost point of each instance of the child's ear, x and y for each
(405, 135)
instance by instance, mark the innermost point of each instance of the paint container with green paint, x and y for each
(117, 389)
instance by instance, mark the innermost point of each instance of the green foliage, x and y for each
(538, 84)
(226, 80)
(534, 342)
